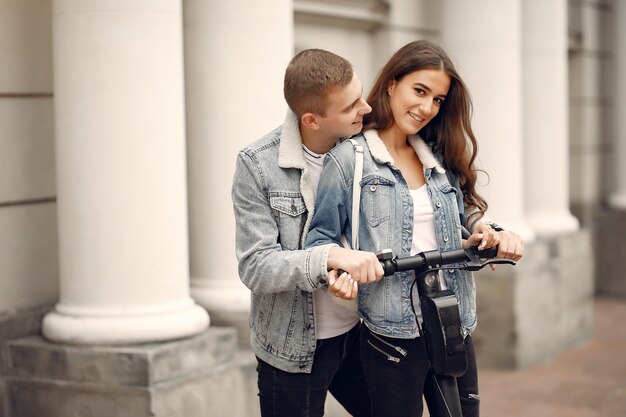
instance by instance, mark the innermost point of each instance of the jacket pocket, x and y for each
(290, 213)
(377, 198)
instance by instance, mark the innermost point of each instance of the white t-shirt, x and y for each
(424, 238)
(331, 318)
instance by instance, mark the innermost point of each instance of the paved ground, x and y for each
(587, 381)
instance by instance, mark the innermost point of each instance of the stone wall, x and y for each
(201, 376)
(610, 248)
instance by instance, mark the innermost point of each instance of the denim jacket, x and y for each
(273, 202)
(386, 221)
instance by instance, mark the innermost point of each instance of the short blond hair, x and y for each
(310, 76)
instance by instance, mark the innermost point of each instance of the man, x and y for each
(305, 343)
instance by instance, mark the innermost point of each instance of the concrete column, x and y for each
(545, 110)
(618, 198)
(236, 53)
(484, 39)
(119, 114)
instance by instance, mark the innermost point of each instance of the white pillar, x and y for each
(236, 53)
(618, 198)
(483, 38)
(545, 111)
(119, 114)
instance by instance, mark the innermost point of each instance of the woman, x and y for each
(416, 193)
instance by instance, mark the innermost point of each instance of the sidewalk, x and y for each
(587, 381)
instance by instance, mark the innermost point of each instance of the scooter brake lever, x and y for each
(478, 265)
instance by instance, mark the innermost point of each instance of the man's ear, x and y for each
(309, 120)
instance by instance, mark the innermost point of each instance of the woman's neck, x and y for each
(395, 140)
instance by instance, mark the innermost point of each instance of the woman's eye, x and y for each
(439, 100)
(419, 91)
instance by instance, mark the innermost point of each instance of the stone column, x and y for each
(545, 112)
(618, 198)
(122, 212)
(236, 53)
(484, 39)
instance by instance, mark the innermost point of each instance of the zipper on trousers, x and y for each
(394, 347)
(389, 357)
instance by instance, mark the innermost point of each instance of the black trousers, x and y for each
(397, 373)
(336, 368)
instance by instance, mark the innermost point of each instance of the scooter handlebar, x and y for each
(470, 259)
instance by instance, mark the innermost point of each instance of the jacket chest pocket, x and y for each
(290, 214)
(377, 198)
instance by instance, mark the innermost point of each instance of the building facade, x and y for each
(119, 126)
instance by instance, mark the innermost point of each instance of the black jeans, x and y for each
(397, 374)
(468, 383)
(336, 368)
(467, 388)
(395, 371)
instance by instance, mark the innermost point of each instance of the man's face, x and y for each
(344, 114)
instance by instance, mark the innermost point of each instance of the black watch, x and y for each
(496, 227)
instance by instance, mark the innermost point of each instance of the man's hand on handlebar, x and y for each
(364, 267)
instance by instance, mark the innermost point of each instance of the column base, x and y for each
(220, 294)
(228, 303)
(118, 330)
(205, 375)
(550, 224)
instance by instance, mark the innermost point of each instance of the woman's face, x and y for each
(417, 98)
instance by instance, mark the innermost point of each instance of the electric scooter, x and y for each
(441, 327)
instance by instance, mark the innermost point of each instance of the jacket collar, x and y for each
(290, 149)
(291, 155)
(381, 154)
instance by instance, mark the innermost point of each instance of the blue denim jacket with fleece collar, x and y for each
(273, 201)
(386, 221)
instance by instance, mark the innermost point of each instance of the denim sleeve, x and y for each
(264, 267)
(334, 196)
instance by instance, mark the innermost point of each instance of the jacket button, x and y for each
(438, 204)
(372, 188)
(445, 238)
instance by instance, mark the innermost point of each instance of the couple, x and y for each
(292, 195)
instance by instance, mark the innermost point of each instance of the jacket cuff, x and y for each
(318, 265)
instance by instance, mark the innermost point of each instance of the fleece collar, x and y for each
(290, 149)
(381, 154)
(291, 155)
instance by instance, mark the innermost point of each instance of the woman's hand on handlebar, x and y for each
(364, 267)
(342, 286)
(510, 244)
(474, 240)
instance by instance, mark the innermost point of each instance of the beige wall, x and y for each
(28, 236)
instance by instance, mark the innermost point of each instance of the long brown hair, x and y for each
(450, 132)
